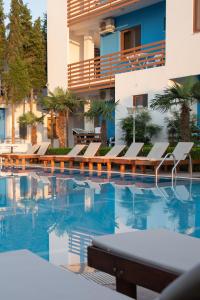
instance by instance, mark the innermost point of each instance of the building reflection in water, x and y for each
(57, 217)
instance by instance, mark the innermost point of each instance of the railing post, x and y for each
(69, 75)
(111, 69)
(89, 72)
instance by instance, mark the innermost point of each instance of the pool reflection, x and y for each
(57, 216)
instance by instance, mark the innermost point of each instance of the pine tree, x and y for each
(15, 39)
(44, 30)
(26, 33)
(34, 57)
(17, 79)
(2, 43)
(2, 36)
(38, 76)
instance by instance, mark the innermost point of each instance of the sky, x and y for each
(38, 7)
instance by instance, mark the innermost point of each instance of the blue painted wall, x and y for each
(110, 127)
(151, 20)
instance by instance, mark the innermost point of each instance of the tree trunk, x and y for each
(185, 123)
(33, 127)
(13, 123)
(52, 129)
(67, 128)
(61, 124)
(34, 134)
(104, 133)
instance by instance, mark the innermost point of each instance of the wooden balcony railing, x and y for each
(99, 73)
(79, 10)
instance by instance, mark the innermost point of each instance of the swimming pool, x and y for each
(56, 216)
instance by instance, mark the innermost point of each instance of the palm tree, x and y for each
(104, 111)
(60, 103)
(174, 126)
(30, 119)
(183, 95)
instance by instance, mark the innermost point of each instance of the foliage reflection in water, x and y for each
(57, 216)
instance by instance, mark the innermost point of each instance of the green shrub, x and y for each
(144, 128)
(58, 151)
(104, 150)
(174, 127)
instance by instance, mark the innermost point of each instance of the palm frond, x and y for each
(30, 119)
(103, 109)
(59, 100)
(177, 94)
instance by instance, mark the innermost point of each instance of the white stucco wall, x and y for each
(182, 60)
(19, 110)
(76, 48)
(182, 44)
(81, 47)
(151, 82)
(58, 43)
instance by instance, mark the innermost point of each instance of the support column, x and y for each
(88, 123)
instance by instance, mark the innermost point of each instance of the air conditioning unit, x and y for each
(107, 26)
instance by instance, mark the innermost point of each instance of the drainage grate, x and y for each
(100, 278)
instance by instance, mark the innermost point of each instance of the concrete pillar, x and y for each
(88, 123)
(88, 41)
(58, 43)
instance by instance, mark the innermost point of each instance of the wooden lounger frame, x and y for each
(10, 160)
(129, 273)
(53, 159)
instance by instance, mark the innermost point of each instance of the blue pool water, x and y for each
(56, 216)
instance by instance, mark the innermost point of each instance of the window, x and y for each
(55, 136)
(23, 131)
(196, 15)
(131, 38)
(140, 100)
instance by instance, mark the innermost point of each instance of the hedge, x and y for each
(58, 151)
(62, 151)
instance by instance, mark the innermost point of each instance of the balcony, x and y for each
(84, 9)
(99, 73)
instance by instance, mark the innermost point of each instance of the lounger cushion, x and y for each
(186, 287)
(24, 276)
(162, 249)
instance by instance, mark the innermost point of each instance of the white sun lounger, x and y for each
(114, 152)
(43, 148)
(91, 151)
(16, 158)
(24, 275)
(152, 259)
(130, 158)
(108, 159)
(133, 150)
(178, 156)
(156, 152)
(181, 151)
(61, 158)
